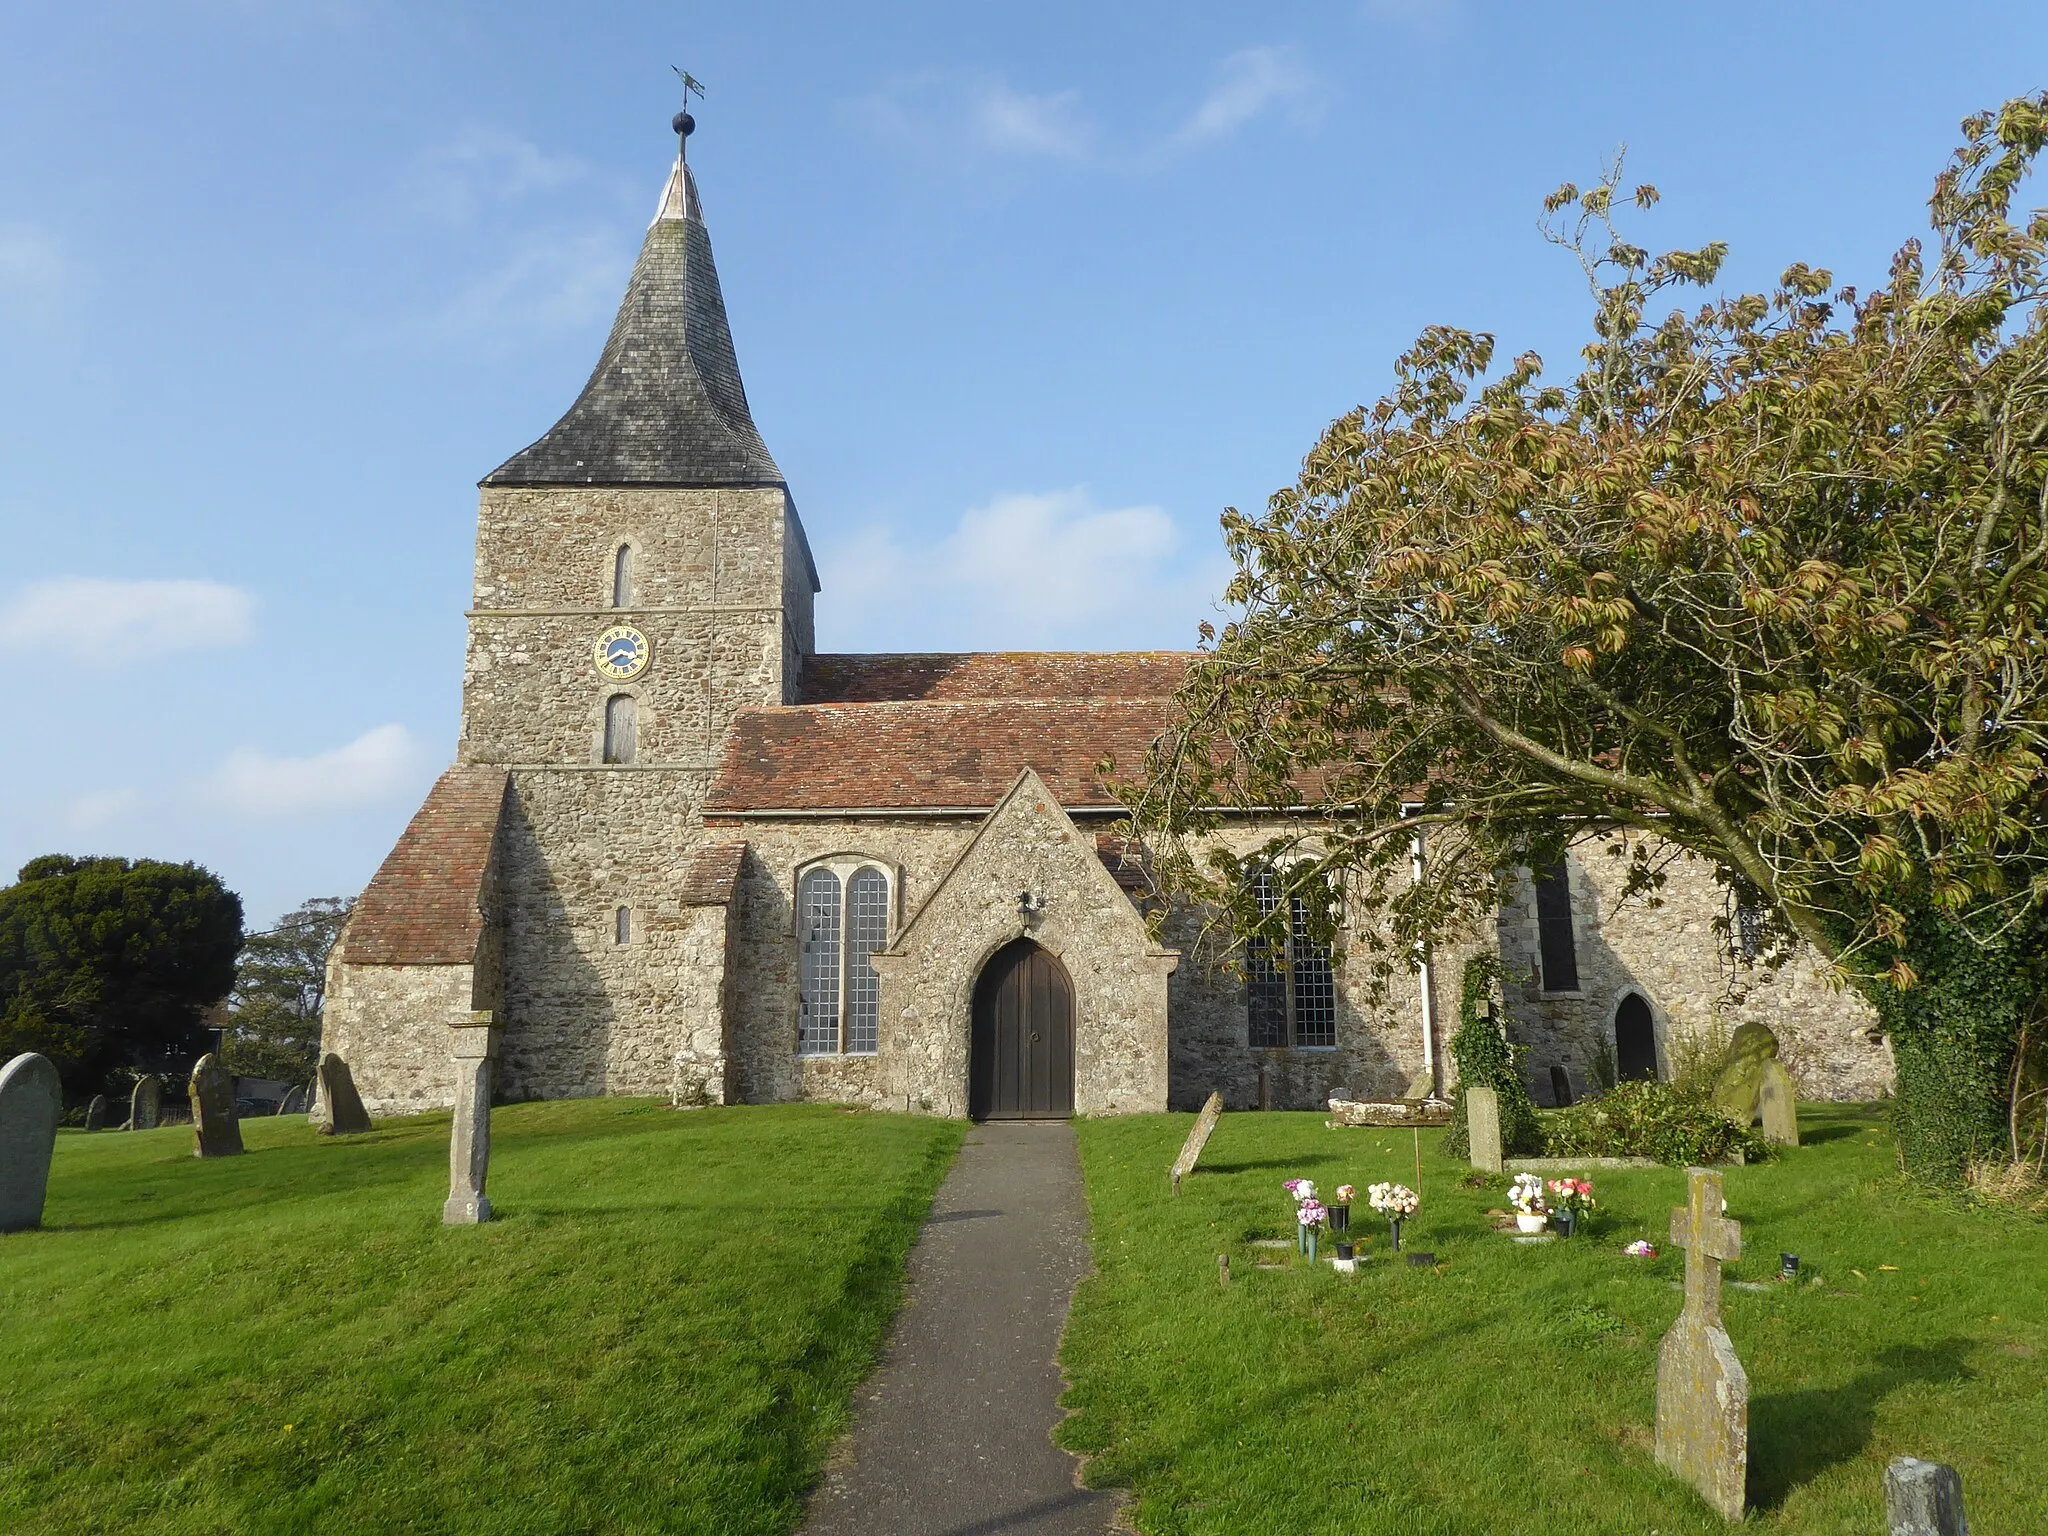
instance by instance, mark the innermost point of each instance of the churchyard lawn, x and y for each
(660, 1333)
(1512, 1389)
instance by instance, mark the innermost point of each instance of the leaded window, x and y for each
(1290, 986)
(842, 919)
(818, 926)
(1554, 937)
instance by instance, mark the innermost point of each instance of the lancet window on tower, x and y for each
(1555, 941)
(1290, 988)
(621, 728)
(622, 577)
(842, 918)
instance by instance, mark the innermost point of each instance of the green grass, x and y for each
(290, 1340)
(1512, 1389)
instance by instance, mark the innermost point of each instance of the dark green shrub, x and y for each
(1672, 1124)
(1484, 1058)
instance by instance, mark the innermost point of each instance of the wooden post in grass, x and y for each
(469, 1141)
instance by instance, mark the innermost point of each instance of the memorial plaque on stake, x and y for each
(31, 1099)
(1198, 1138)
(1702, 1390)
(215, 1130)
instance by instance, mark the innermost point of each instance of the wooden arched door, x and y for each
(1635, 1040)
(1021, 1055)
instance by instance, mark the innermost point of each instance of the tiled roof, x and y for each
(714, 871)
(424, 906)
(841, 679)
(665, 405)
(953, 755)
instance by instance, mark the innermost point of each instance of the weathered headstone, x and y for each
(146, 1104)
(1923, 1498)
(1741, 1077)
(1702, 1390)
(1198, 1138)
(294, 1103)
(1560, 1086)
(96, 1113)
(1482, 1127)
(31, 1099)
(215, 1130)
(345, 1113)
(1778, 1106)
(469, 1141)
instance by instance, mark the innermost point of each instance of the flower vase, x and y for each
(1567, 1222)
(1530, 1222)
(1346, 1261)
(1300, 1238)
(1311, 1231)
(1395, 1223)
(1340, 1218)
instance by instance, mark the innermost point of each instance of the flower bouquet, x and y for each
(1526, 1196)
(1303, 1191)
(1396, 1202)
(1569, 1200)
(1641, 1248)
(1309, 1216)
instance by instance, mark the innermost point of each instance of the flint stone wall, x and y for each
(1672, 954)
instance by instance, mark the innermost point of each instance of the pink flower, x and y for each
(1310, 1213)
(1346, 1194)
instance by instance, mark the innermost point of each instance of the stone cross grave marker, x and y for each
(146, 1104)
(96, 1113)
(469, 1140)
(215, 1130)
(1482, 1128)
(1777, 1107)
(1198, 1138)
(1702, 1390)
(1923, 1498)
(345, 1113)
(31, 1099)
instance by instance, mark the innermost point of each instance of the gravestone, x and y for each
(96, 1113)
(294, 1103)
(1482, 1127)
(1560, 1087)
(215, 1130)
(1198, 1138)
(1778, 1106)
(1741, 1078)
(146, 1104)
(31, 1100)
(1923, 1498)
(469, 1140)
(345, 1113)
(1702, 1390)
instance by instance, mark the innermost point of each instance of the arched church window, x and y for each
(621, 728)
(818, 969)
(1290, 985)
(1554, 937)
(622, 577)
(622, 926)
(867, 930)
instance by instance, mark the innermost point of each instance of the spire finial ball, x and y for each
(683, 124)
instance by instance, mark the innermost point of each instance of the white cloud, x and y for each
(550, 283)
(483, 165)
(1027, 124)
(100, 619)
(1255, 81)
(1049, 569)
(377, 765)
(102, 808)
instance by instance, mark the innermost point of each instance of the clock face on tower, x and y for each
(621, 653)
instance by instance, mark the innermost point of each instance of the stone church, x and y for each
(683, 853)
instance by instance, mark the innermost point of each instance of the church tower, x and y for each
(641, 575)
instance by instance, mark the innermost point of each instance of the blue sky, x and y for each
(1023, 295)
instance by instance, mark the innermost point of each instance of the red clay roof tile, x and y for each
(963, 676)
(425, 904)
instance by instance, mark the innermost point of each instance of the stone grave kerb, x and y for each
(1702, 1389)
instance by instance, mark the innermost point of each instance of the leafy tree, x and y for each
(108, 964)
(280, 988)
(1766, 582)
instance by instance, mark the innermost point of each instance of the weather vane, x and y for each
(684, 124)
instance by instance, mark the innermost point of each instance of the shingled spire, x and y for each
(665, 405)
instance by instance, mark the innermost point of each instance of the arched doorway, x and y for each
(1635, 1040)
(1021, 1058)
